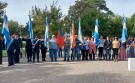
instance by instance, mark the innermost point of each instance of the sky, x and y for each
(18, 10)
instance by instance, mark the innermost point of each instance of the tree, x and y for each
(132, 23)
(13, 27)
(2, 7)
(39, 15)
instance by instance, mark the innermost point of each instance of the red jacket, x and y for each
(93, 46)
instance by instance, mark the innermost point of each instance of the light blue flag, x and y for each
(124, 31)
(96, 35)
(46, 40)
(31, 30)
(5, 32)
(80, 32)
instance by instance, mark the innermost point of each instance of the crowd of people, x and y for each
(107, 49)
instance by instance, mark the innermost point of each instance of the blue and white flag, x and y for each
(5, 32)
(31, 30)
(96, 36)
(80, 32)
(46, 40)
(124, 31)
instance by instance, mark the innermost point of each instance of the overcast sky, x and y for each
(18, 9)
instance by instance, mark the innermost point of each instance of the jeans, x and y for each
(53, 54)
(66, 53)
(59, 52)
(108, 53)
(77, 51)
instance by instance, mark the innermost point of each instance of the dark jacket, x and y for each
(107, 44)
(36, 46)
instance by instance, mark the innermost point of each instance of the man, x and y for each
(0, 51)
(10, 52)
(17, 42)
(43, 50)
(36, 49)
(66, 49)
(28, 48)
(100, 48)
(53, 48)
(76, 48)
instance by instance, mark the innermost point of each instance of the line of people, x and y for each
(107, 49)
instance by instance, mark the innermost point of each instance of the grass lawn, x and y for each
(4, 53)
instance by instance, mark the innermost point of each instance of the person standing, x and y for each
(92, 49)
(130, 47)
(53, 48)
(85, 49)
(10, 52)
(76, 49)
(17, 42)
(115, 46)
(36, 49)
(28, 48)
(107, 47)
(100, 48)
(67, 49)
(122, 54)
(43, 50)
(0, 51)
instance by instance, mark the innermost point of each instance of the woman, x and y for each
(85, 49)
(122, 54)
(132, 49)
(67, 49)
(92, 49)
(115, 46)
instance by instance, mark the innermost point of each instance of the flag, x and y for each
(124, 31)
(5, 32)
(73, 37)
(96, 38)
(60, 38)
(31, 29)
(80, 31)
(46, 40)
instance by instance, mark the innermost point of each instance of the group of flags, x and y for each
(60, 38)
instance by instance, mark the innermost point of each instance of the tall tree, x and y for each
(2, 7)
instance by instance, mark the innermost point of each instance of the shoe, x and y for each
(33, 61)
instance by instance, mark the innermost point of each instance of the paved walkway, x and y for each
(67, 72)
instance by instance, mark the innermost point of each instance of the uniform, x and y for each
(28, 48)
(10, 52)
(17, 49)
(43, 51)
(36, 50)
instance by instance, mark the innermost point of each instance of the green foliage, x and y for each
(90, 10)
(132, 23)
(2, 7)
(13, 27)
(39, 19)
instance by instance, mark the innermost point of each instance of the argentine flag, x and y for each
(80, 31)
(5, 32)
(96, 38)
(31, 29)
(124, 31)
(46, 34)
